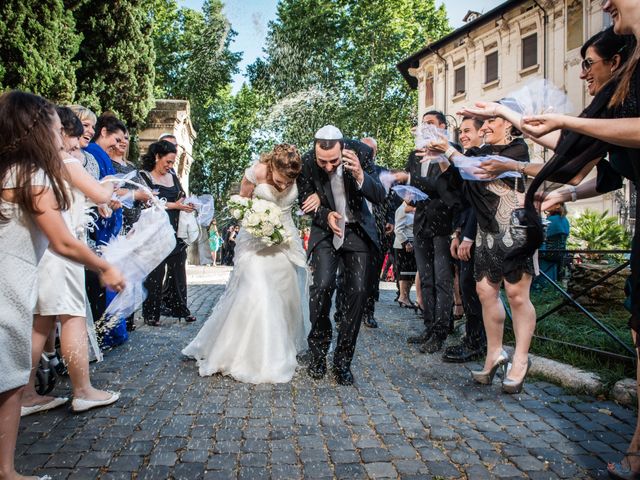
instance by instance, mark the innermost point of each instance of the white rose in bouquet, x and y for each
(261, 206)
(251, 219)
(267, 229)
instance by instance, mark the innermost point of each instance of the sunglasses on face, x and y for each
(587, 63)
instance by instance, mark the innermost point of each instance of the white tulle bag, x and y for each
(188, 229)
(150, 240)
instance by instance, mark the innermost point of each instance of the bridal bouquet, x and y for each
(260, 218)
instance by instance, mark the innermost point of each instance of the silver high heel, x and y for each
(511, 386)
(486, 377)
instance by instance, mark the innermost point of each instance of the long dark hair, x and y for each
(28, 144)
(607, 45)
(71, 124)
(160, 148)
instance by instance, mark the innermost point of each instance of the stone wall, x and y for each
(174, 117)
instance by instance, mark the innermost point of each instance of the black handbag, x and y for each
(519, 223)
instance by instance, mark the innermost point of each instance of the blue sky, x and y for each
(249, 19)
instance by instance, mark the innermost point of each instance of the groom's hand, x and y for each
(332, 220)
(311, 204)
(351, 163)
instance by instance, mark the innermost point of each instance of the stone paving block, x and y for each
(443, 469)
(504, 470)
(188, 471)
(348, 471)
(84, 474)
(223, 461)
(409, 417)
(95, 459)
(63, 460)
(194, 456)
(286, 472)
(154, 473)
(381, 470)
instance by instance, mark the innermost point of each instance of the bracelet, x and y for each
(574, 194)
(450, 152)
(521, 168)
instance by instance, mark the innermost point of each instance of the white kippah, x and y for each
(329, 132)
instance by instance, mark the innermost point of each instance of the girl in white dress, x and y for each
(32, 191)
(61, 288)
(257, 327)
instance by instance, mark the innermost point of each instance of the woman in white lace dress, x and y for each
(32, 191)
(257, 327)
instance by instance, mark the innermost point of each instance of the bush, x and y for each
(598, 231)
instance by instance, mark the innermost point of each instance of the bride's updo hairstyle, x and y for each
(285, 159)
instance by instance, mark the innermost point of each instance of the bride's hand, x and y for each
(311, 204)
(332, 220)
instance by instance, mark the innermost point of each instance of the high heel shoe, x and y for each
(486, 378)
(511, 386)
(620, 471)
(152, 323)
(188, 319)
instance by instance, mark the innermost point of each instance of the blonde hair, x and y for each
(83, 113)
(285, 158)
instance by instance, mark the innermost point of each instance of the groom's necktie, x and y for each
(340, 199)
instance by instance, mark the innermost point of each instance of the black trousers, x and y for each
(435, 267)
(354, 256)
(376, 260)
(96, 295)
(176, 294)
(475, 334)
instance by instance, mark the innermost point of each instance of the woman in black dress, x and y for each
(494, 203)
(158, 175)
(612, 125)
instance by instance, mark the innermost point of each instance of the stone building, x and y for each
(174, 117)
(497, 52)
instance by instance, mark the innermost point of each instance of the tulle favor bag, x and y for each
(150, 240)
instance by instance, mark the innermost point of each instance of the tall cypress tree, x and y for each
(38, 42)
(116, 58)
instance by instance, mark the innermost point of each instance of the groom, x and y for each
(335, 184)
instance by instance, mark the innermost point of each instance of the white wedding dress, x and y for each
(260, 322)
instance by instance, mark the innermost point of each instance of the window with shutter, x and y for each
(491, 67)
(459, 86)
(428, 90)
(530, 51)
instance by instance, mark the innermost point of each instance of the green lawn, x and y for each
(572, 326)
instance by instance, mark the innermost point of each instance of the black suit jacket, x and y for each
(436, 215)
(313, 179)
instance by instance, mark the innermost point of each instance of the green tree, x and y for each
(194, 62)
(334, 61)
(38, 42)
(230, 145)
(116, 58)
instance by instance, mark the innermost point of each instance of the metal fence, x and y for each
(626, 353)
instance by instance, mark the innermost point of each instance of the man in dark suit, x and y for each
(335, 183)
(432, 228)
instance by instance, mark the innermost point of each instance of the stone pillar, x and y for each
(174, 117)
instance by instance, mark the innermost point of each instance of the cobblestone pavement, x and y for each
(408, 416)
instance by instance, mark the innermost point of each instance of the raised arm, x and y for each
(622, 132)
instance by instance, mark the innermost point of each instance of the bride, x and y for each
(257, 326)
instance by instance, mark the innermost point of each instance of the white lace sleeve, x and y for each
(250, 173)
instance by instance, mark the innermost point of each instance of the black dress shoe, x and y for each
(343, 376)
(304, 357)
(423, 337)
(431, 346)
(462, 353)
(317, 369)
(370, 322)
